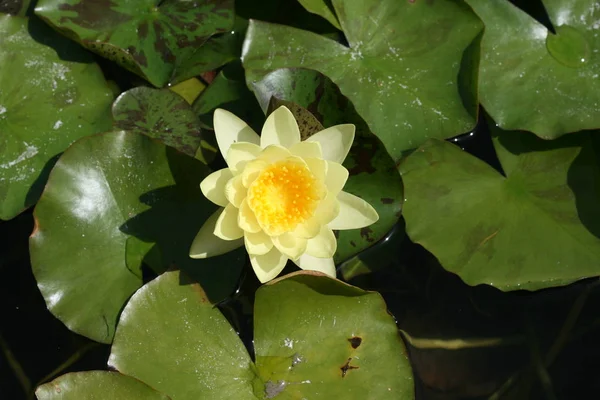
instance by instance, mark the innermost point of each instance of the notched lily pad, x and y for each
(150, 38)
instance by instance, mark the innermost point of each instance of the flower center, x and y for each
(284, 195)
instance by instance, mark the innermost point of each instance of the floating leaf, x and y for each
(150, 39)
(315, 338)
(373, 174)
(59, 102)
(109, 201)
(534, 80)
(97, 385)
(322, 8)
(534, 228)
(401, 69)
(189, 89)
(159, 113)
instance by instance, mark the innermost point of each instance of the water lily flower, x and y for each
(281, 197)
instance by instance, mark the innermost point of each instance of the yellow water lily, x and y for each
(281, 197)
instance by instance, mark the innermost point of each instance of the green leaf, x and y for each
(533, 228)
(315, 338)
(401, 69)
(161, 114)
(322, 8)
(63, 97)
(150, 38)
(112, 202)
(373, 173)
(534, 80)
(96, 385)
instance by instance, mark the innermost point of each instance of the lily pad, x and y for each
(322, 8)
(315, 337)
(533, 228)
(65, 97)
(113, 202)
(373, 173)
(532, 79)
(150, 38)
(96, 385)
(161, 114)
(401, 69)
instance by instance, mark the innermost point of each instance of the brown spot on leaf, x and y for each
(347, 367)
(387, 200)
(365, 233)
(355, 341)
(352, 243)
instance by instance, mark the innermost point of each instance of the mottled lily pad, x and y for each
(150, 38)
(401, 69)
(64, 97)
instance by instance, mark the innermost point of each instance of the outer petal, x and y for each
(310, 263)
(230, 129)
(227, 227)
(336, 178)
(213, 186)
(335, 141)
(235, 191)
(280, 128)
(252, 170)
(307, 150)
(323, 245)
(246, 218)
(291, 246)
(240, 154)
(269, 265)
(328, 209)
(258, 243)
(354, 213)
(206, 244)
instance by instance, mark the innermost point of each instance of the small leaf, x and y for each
(321, 7)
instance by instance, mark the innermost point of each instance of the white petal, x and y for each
(328, 209)
(310, 263)
(230, 129)
(258, 243)
(213, 186)
(252, 170)
(239, 154)
(235, 191)
(206, 244)
(227, 227)
(354, 213)
(280, 128)
(337, 175)
(246, 218)
(307, 150)
(323, 245)
(308, 229)
(291, 246)
(268, 266)
(335, 141)
(274, 153)
(318, 167)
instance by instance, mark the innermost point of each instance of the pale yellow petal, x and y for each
(258, 243)
(280, 128)
(318, 167)
(206, 244)
(310, 263)
(246, 218)
(252, 170)
(269, 265)
(230, 129)
(308, 229)
(226, 226)
(291, 246)
(328, 209)
(274, 153)
(354, 213)
(213, 186)
(337, 175)
(240, 154)
(323, 245)
(307, 150)
(335, 141)
(235, 191)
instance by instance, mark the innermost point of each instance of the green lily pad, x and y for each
(533, 228)
(401, 69)
(373, 173)
(95, 385)
(113, 202)
(322, 8)
(531, 79)
(315, 337)
(59, 102)
(150, 38)
(161, 114)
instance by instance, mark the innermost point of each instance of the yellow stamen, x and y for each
(284, 195)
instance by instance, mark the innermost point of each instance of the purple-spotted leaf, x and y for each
(150, 37)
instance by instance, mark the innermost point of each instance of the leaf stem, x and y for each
(15, 366)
